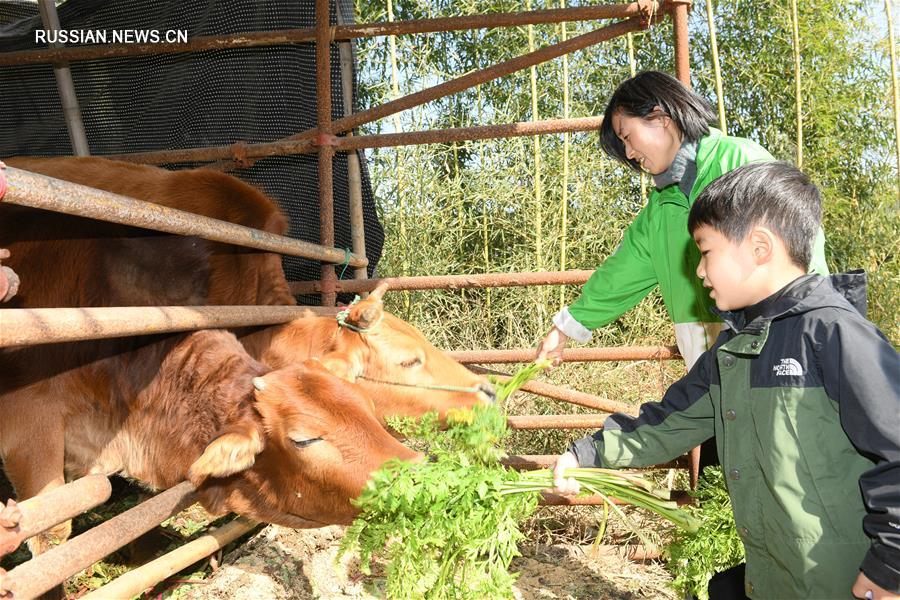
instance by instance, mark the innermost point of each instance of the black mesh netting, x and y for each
(172, 101)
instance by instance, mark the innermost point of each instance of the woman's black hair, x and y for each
(653, 94)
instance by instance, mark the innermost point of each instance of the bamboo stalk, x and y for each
(893, 52)
(795, 37)
(564, 199)
(485, 252)
(714, 49)
(538, 216)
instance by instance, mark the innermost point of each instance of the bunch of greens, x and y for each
(445, 527)
(449, 527)
(693, 557)
(506, 388)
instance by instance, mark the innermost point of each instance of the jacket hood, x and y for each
(842, 290)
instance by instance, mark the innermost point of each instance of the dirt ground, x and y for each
(281, 564)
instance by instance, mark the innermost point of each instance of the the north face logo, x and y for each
(788, 366)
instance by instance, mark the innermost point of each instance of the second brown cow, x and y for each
(289, 446)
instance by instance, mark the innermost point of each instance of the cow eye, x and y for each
(413, 362)
(305, 443)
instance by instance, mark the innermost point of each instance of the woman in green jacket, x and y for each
(654, 124)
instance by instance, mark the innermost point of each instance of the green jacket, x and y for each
(657, 249)
(804, 402)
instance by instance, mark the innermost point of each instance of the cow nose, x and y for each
(488, 390)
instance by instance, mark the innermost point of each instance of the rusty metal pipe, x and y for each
(42, 512)
(23, 326)
(459, 134)
(43, 572)
(480, 76)
(354, 169)
(679, 10)
(558, 392)
(302, 142)
(355, 142)
(636, 552)
(450, 282)
(473, 79)
(255, 39)
(556, 421)
(526, 355)
(326, 152)
(136, 581)
(40, 191)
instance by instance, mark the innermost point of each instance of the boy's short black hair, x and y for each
(777, 195)
(641, 95)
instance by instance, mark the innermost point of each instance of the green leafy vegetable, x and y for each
(694, 556)
(449, 527)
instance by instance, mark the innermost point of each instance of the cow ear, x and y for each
(337, 364)
(366, 314)
(226, 455)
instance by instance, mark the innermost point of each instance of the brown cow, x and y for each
(68, 261)
(237, 276)
(289, 446)
(387, 357)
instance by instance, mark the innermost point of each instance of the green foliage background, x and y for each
(472, 207)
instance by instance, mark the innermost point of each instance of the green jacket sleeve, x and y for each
(662, 430)
(622, 281)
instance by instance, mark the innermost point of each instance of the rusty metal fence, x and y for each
(38, 326)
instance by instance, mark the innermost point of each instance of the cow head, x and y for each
(311, 450)
(391, 360)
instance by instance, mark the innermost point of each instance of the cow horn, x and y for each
(379, 290)
(259, 383)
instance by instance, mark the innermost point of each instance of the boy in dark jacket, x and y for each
(801, 392)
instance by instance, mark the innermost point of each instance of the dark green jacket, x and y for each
(804, 402)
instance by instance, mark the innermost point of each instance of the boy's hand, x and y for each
(565, 485)
(551, 347)
(865, 588)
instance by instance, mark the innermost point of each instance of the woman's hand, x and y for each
(551, 347)
(865, 588)
(566, 486)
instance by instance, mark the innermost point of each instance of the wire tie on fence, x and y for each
(347, 255)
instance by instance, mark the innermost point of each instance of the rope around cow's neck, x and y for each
(342, 322)
(441, 388)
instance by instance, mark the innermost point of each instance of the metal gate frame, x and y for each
(37, 326)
